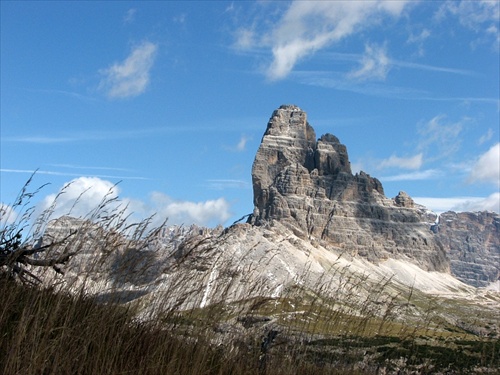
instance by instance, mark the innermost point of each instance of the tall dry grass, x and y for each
(52, 327)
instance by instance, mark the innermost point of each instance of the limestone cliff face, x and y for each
(307, 185)
(472, 242)
(290, 161)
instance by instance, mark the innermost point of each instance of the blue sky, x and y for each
(171, 99)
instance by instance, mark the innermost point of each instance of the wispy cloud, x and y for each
(412, 162)
(180, 18)
(440, 136)
(39, 139)
(476, 15)
(309, 26)
(432, 68)
(132, 76)
(69, 174)
(104, 135)
(375, 50)
(481, 16)
(427, 174)
(338, 81)
(241, 146)
(227, 184)
(72, 166)
(130, 16)
(486, 137)
(374, 65)
(419, 39)
(71, 94)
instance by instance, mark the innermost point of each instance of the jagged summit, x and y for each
(291, 161)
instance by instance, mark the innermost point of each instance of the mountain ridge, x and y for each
(318, 235)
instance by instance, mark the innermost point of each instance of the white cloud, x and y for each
(130, 77)
(490, 203)
(308, 26)
(487, 167)
(460, 204)
(413, 176)
(414, 162)
(82, 196)
(210, 212)
(374, 65)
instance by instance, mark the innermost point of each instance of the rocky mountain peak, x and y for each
(291, 161)
(306, 184)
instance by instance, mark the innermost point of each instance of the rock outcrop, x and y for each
(307, 185)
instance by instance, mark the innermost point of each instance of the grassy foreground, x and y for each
(46, 328)
(48, 332)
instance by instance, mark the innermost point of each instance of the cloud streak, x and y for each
(427, 174)
(227, 184)
(69, 174)
(132, 76)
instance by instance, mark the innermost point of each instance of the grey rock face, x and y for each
(472, 241)
(290, 161)
(307, 185)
